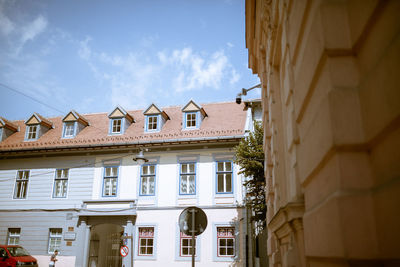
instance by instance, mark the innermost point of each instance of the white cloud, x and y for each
(84, 50)
(33, 29)
(230, 45)
(179, 71)
(235, 77)
(196, 71)
(6, 25)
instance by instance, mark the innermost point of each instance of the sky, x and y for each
(92, 55)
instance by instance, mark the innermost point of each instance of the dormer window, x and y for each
(116, 126)
(32, 132)
(154, 119)
(36, 126)
(120, 120)
(7, 128)
(191, 119)
(193, 115)
(73, 123)
(69, 129)
(152, 123)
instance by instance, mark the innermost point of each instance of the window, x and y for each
(225, 241)
(21, 184)
(147, 180)
(188, 179)
(13, 236)
(186, 245)
(69, 129)
(32, 132)
(224, 177)
(61, 183)
(116, 126)
(110, 181)
(190, 120)
(146, 241)
(55, 237)
(152, 123)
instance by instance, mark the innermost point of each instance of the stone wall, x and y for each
(331, 101)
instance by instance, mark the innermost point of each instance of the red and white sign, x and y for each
(124, 251)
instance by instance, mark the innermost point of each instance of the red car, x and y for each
(14, 256)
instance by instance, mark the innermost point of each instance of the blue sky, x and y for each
(93, 55)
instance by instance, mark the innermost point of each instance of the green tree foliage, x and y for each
(250, 157)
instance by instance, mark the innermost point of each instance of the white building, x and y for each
(71, 183)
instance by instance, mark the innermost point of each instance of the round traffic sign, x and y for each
(186, 221)
(124, 251)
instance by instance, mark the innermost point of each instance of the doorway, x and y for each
(105, 243)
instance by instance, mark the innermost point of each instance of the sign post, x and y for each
(193, 222)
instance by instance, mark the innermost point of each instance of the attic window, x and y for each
(116, 126)
(191, 120)
(154, 119)
(193, 116)
(69, 129)
(120, 120)
(73, 124)
(152, 123)
(32, 132)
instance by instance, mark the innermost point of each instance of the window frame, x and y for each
(58, 238)
(28, 132)
(138, 240)
(147, 176)
(226, 239)
(65, 129)
(187, 174)
(217, 172)
(195, 126)
(157, 123)
(12, 235)
(56, 179)
(110, 177)
(121, 125)
(21, 180)
(236, 242)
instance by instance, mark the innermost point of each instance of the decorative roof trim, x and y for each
(78, 118)
(158, 111)
(40, 120)
(124, 113)
(198, 108)
(9, 125)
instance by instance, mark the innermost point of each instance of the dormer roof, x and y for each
(9, 125)
(193, 107)
(154, 110)
(119, 112)
(75, 116)
(38, 119)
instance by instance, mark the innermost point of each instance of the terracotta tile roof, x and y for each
(224, 120)
(8, 124)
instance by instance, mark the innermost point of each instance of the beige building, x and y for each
(331, 102)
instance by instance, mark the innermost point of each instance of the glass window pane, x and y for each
(183, 185)
(150, 250)
(191, 168)
(228, 179)
(220, 183)
(192, 185)
(230, 251)
(152, 169)
(151, 185)
(150, 242)
(184, 168)
(228, 166)
(220, 166)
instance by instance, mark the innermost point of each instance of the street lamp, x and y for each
(139, 158)
(244, 92)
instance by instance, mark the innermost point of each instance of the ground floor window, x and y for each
(146, 241)
(55, 237)
(225, 241)
(186, 245)
(13, 236)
